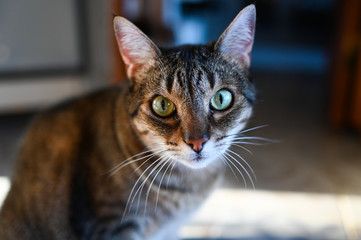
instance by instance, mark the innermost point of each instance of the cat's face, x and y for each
(187, 103)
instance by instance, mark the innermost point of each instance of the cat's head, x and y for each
(187, 102)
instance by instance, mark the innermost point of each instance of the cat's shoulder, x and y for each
(89, 101)
(77, 111)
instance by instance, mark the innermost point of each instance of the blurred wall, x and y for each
(51, 50)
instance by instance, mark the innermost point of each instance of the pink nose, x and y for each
(197, 144)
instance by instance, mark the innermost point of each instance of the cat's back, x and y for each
(46, 164)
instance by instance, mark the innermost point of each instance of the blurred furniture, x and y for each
(345, 104)
(117, 69)
(62, 51)
(148, 17)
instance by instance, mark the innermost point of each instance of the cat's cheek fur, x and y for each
(245, 116)
(148, 137)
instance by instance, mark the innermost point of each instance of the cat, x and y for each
(135, 160)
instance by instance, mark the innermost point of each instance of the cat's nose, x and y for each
(197, 144)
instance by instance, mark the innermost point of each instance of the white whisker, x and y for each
(140, 188)
(244, 148)
(253, 128)
(128, 204)
(239, 171)
(170, 174)
(225, 160)
(256, 138)
(131, 160)
(244, 162)
(244, 169)
(151, 184)
(246, 130)
(126, 160)
(148, 160)
(248, 143)
(161, 180)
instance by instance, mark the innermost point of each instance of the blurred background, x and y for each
(307, 68)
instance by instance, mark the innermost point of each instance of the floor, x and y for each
(308, 179)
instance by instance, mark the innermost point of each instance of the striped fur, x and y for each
(105, 166)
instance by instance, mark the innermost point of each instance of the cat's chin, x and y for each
(198, 162)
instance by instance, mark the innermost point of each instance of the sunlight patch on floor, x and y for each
(236, 214)
(4, 188)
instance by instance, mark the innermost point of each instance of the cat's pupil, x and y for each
(163, 105)
(221, 99)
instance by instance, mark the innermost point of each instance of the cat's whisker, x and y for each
(149, 159)
(248, 143)
(243, 160)
(243, 147)
(145, 179)
(137, 155)
(171, 171)
(170, 161)
(129, 158)
(247, 130)
(129, 161)
(244, 169)
(140, 188)
(151, 184)
(238, 170)
(225, 161)
(252, 129)
(256, 138)
(128, 204)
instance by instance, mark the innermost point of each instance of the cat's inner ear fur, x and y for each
(237, 40)
(137, 50)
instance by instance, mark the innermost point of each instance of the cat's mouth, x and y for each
(197, 160)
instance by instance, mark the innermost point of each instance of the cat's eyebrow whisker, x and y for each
(232, 157)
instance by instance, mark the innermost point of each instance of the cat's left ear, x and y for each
(137, 50)
(237, 40)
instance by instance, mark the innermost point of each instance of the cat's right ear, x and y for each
(237, 40)
(137, 50)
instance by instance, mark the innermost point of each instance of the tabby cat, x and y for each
(133, 161)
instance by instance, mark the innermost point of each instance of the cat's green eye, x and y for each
(221, 100)
(163, 107)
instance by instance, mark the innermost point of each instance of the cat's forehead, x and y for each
(197, 64)
(192, 73)
(188, 55)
